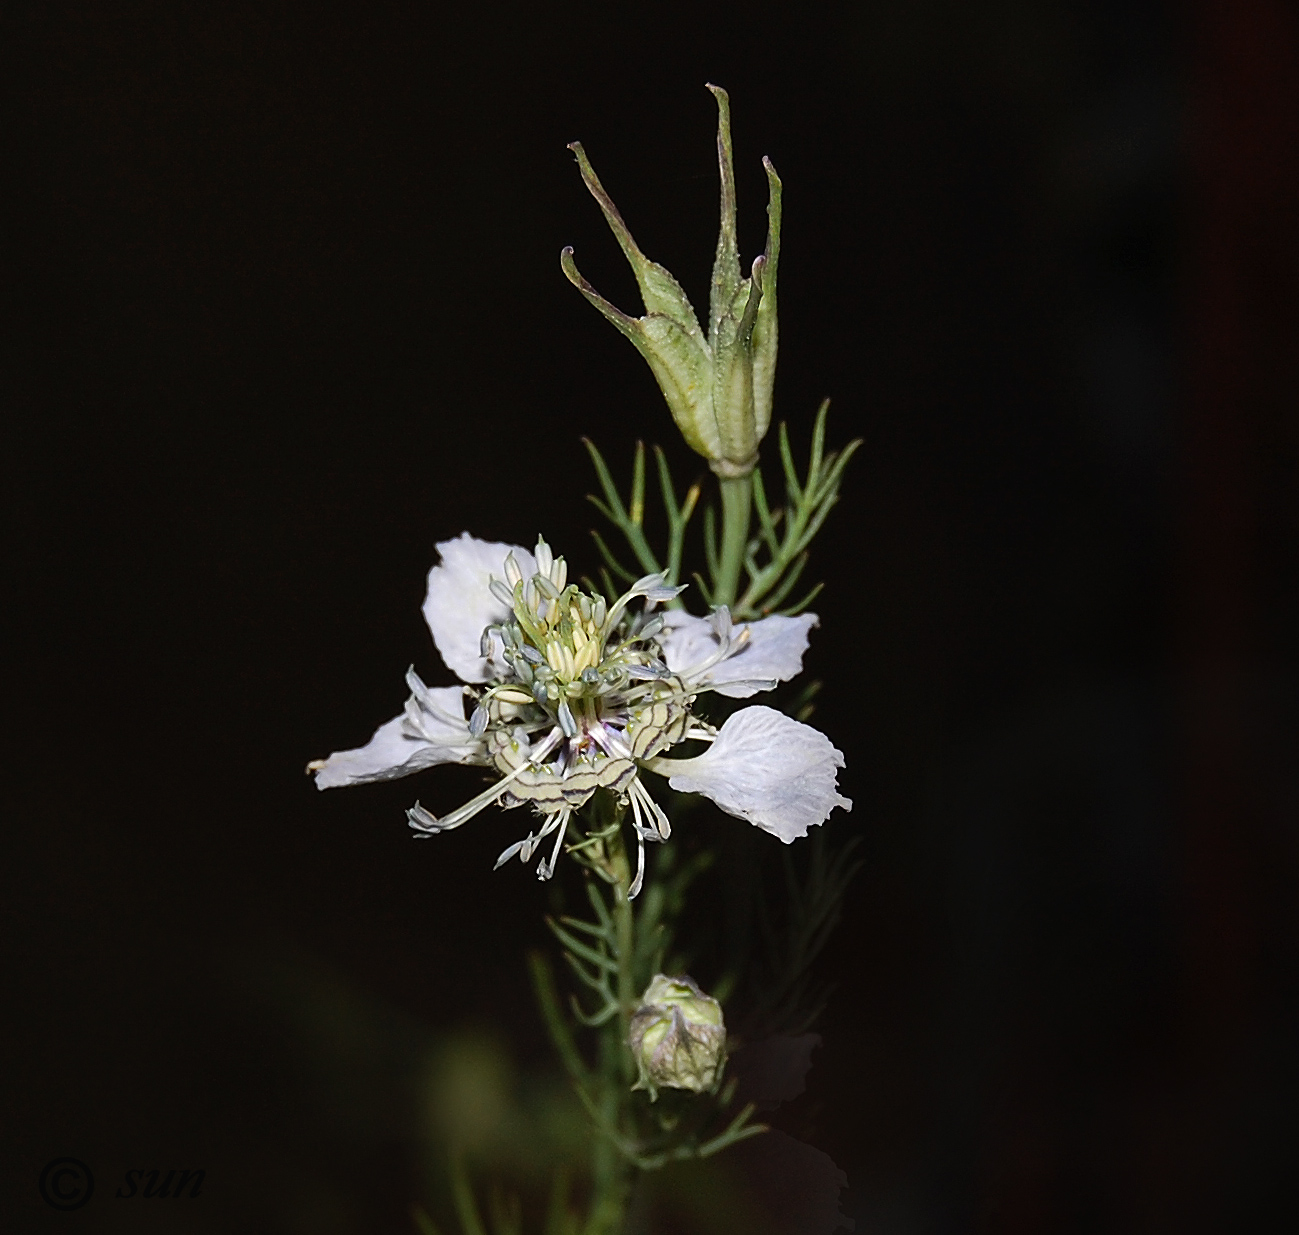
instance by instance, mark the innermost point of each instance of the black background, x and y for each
(289, 311)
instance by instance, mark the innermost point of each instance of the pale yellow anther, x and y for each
(570, 667)
(513, 696)
(555, 656)
(579, 639)
(552, 612)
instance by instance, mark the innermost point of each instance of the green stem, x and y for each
(737, 494)
(612, 1173)
(624, 926)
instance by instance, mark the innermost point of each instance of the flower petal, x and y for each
(767, 768)
(459, 602)
(772, 652)
(425, 734)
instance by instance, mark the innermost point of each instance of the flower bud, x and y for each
(719, 388)
(677, 1037)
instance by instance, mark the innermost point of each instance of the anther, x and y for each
(543, 555)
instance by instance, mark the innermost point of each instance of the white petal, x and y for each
(773, 651)
(767, 768)
(459, 603)
(425, 734)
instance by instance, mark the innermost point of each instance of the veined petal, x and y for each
(767, 768)
(425, 734)
(772, 652)
(459, 602)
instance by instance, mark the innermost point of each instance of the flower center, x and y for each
(577, 665)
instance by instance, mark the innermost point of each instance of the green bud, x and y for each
(719, 388)
(677, 1037)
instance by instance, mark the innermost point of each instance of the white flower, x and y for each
(764, 652)
(430, 731)
(766, 768)
(581, 694)
(459, 603)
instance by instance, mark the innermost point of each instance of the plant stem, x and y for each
(624, 925)
(612, 1173)
(737, 494)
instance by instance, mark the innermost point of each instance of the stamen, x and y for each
(546, 869)
(644, 673)
(661, 824)
(427, 823)
(505, 695)
(512, 572)
(501, 592)
(634, 890)
(566, 721)
(543, 555)
(698, 735)
(726, 648)
(508, 853)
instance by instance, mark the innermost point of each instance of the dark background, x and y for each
(289, 310)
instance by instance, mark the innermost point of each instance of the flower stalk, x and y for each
(737, 495)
